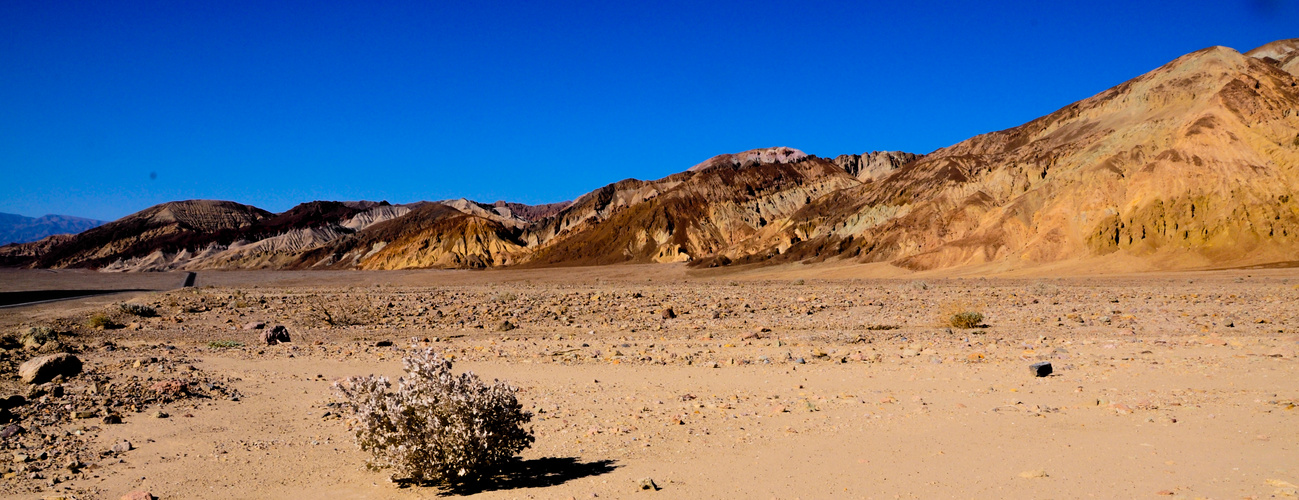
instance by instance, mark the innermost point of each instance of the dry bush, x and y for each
(101, 320)
(1044, 289)
(961, 314)
(352, 314)
(916, 285)
(966, 319)
(436, 427)
(140, 310)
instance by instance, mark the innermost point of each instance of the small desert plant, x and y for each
(505, 297)
(436, 427)
(224, 344)
(799, 281)
(37, 336)
(140, 310)
(1044, 289)
(916, 285)
(966, 319)
(102, 320)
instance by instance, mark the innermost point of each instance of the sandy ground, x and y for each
(1169, 385)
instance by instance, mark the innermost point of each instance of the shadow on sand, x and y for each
(535, 473)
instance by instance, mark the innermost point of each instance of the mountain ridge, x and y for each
(1191, 165)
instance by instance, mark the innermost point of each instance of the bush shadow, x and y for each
(534, 473)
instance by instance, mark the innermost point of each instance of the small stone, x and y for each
(505, 326)
(139, 495)
(21, 458)
(1041, 369)
(648, 484)
(383, 343)
(84, 414)
(256, 325)
(122, 447)
(668, 313)
(160, 414)
(113, 419)
(45, 368)
(10, 431)
(1030, 474)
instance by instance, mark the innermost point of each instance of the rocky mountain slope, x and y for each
(16, 228)
(1192, 165)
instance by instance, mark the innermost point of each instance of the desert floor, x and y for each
(773, 383)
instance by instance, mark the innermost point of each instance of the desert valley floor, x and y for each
(786, 382)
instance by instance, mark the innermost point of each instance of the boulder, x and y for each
(45, 368)
(276, 335)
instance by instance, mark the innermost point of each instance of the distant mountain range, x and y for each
(1192, 165)
(16, 228)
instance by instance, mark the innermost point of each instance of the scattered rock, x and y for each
(45, 368)
(122, 447)
(256, 325)
(1030, 474)
(276, 335)
(1041, 369)
(113, 419)
(383, 343)
(139, 495)
(160, 414)
(648, 484)
(668, 313)
(10, 431)
(505, 326)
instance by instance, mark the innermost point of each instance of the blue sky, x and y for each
(110, 107)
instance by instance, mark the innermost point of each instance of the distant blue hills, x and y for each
(16, 228)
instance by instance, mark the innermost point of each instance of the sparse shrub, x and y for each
(140, 310)
(505, 297)
(916, 285)
(799, 281)
(224, 344)
(101, 320)
(966, 319)
(38, 336)
(1044, 289)
(436, 427)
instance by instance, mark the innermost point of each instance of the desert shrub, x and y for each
(140, 310)
(224, 344)
(505, 297)
(436, 427)
(346, 314)
(101, 320)
(799, 281)
(38, 336)
(1044, 289)
(916, 285)
(966, 319)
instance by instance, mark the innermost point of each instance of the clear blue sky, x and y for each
(277, 103)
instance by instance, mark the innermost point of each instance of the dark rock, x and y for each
(1040, 369)
(112, 419)
(505, 326)
(276, 335)
(139, 495)
(256, 325)
(383, 343)
(13, 401)
(45, 368)
(668, 313)
(10, 431)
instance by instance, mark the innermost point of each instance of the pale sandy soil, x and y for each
(1154, 395)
